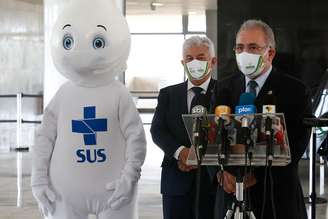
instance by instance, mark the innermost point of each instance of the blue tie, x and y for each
(197, 99)
(252, 87)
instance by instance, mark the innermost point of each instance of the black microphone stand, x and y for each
(269, 139)
(223, 141)
(239, 207)
(197, 134)
(223, 144)
(268, 170)
(200, 143)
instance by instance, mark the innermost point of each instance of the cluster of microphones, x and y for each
(236, 131)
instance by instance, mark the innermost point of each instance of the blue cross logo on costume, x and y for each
(89, 126)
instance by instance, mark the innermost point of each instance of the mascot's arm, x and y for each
(134, 134)
(132, 129)
(41, 157)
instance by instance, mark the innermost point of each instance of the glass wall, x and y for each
(155, 61)
(21, 67)
(156, 52)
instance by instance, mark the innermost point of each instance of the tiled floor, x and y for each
(149, 197)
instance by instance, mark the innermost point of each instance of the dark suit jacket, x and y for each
(293, 99)
(169, 133)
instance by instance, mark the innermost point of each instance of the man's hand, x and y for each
(183, 156)
(184, 167)
(228, 181)
(249, 180)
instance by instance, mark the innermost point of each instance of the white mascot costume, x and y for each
(91, 144)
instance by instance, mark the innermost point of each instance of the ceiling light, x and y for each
(154, 5)
(157, 4)
(131, 3)
(192, 12)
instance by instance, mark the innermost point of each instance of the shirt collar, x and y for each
(260, 80)
(204, 85)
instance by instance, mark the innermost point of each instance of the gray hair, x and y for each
(258, 24)
(199, 41)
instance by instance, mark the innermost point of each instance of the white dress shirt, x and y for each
(190, 96)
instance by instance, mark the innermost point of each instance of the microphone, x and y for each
(246, 108)
(269, 107)
(221, 113)
(245, 114)
(199, 110)
(222, 119)
(223, 101)
(272, 123)
(199, 131)
(269, 103)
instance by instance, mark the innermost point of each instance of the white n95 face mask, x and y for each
(197, 69)
(251, 65)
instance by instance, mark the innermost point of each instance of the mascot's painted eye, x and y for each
(68, 42)
(99, 43)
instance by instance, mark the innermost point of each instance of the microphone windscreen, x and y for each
(199, 110)
(246, 108)
(222, 109)
(223, 112)
(269, 109)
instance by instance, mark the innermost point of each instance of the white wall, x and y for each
(211, 31)
(21, 47)
(21, 65)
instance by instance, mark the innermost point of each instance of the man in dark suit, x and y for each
(255, 50)
(168, 132)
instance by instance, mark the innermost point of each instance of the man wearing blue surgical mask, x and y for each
(178, 181)
(255, 51)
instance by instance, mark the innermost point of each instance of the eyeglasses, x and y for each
(250, 48)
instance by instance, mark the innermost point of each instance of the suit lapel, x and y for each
(269, 84)
(238, 88)
(210, 89)
(182, 98)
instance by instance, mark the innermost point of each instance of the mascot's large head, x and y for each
(90, 42)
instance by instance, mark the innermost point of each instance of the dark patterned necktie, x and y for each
(198, 99)
(252, 87)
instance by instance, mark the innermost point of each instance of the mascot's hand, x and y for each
(45, 198)
(123, 191)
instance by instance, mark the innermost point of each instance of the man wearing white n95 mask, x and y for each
(255, 50)
(168, 132)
